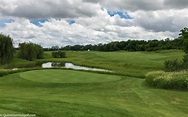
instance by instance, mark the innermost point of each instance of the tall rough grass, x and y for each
(168, 80)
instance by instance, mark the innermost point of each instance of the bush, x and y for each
(58, 54)
(168, 80)
(30, 51)
(174, 65)
(185, 62)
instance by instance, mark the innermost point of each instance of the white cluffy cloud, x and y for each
(145, 5)
(47, 8)
(46, 22)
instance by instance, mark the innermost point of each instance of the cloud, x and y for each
(70, 22)
(145, 5)
(177, 4)
(101, 28)
(161, 20)
(92, 1)
(53, 32)
(47, 8)
(134, 5)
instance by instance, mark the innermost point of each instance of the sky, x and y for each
(70, 22)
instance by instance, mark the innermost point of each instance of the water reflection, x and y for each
(47, 65)
(70, 66)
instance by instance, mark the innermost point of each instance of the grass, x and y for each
(67, 76)
(168, 80)
(127, 97)
(135, 64)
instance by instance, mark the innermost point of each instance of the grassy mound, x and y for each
(67, 76)
(168, 80)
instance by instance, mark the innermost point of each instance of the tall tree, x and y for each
(184, 36)
(6, 49)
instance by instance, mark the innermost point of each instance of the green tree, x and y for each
(184, 36)
(54, 48)
(58, 54)
(30, 51)
(6, 49)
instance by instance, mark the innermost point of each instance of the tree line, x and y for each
(130, 45)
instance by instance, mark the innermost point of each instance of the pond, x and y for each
(70, 66)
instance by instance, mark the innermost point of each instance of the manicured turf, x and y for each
(127, 97)
(67, 76)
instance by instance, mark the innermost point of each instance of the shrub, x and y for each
(58, 54)
(172, 65)
(168, 80)
(185, 62)
(30, 51)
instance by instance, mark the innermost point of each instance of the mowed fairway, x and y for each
(124, 96)
(67, 76)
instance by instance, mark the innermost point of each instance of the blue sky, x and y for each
(122, 14)
(71, 21)
(38, 22)
(4, 21)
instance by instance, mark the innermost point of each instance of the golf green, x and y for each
(67, 76)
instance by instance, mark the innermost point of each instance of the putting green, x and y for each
(67, 76)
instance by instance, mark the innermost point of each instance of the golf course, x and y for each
(60, 92)
(93, 58)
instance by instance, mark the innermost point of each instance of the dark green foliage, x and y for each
(184, 37)
(175, 65)
(30, 51)
(54, 48)
(130, 45)
(6, 49)
(58, 54)
(185, 62)
(184, 33)
(172, 65)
